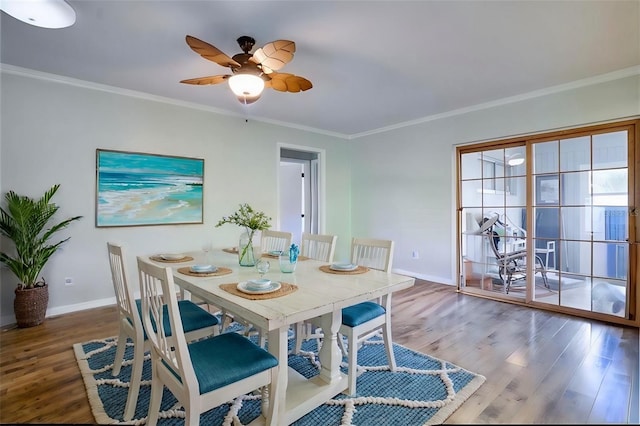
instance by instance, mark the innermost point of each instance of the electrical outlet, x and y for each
(68, 281)
(415, 254)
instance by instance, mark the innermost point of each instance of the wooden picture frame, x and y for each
(138, 189)
(547, 190)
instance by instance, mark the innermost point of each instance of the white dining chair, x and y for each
(549, 253)
(202, 374)
(196, 322)
(319, 247)
(363, 320)
(271, 240)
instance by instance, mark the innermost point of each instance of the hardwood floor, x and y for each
(540, 367)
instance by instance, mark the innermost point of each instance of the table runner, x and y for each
(285, 288)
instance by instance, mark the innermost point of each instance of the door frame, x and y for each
(318, 182)
(633, 295)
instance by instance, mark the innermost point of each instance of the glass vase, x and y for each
(246, 255)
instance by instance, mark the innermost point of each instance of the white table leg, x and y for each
(330, 354)
(277, 399)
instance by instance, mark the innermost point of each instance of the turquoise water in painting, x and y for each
(143, 189)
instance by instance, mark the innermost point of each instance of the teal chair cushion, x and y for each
(193, 317)
(227, 358)
(361, 313)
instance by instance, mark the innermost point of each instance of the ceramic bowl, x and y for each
(171, 256)
(201, 268)
(259, 283)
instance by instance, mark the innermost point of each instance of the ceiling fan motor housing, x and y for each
(246, 43)
(246, 66)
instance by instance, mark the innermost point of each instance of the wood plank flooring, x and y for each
(541, 367)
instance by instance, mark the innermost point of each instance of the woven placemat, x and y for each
(275, 256)
(220, 271)
(160, 259)
(232, 250)
(285, 288)
(358, 270)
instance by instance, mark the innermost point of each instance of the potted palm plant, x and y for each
(26, 222)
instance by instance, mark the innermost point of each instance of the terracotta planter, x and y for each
(30, 306)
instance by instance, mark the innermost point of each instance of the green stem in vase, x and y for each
(249, 244)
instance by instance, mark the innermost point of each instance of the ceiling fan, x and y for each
(251, 73)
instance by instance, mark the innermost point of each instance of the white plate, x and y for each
(343, 267)
(203, 269)
(170, 256)
(274, 286)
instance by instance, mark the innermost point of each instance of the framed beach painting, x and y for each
(137, 189)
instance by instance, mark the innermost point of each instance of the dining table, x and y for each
(313, 292)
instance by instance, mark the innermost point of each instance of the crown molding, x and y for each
(603, 78)
(615, 75)
(26, 72)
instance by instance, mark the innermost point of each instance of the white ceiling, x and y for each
(373, 64)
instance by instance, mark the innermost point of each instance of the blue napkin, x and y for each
(294, 250)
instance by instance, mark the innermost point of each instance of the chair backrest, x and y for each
(494, 242)
(125, 299)
(275, 240)
(372, 253)
(167, 339)
(318, 246)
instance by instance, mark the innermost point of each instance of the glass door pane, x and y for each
(581, 221)
(493, 186)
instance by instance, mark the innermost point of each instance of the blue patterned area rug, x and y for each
(422, 391)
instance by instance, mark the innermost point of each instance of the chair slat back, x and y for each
(318, 246)
(120, 278)
(372, 253)
(157, 291)
(275, 240)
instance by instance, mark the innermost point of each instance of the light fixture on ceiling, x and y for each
(41, 13)
(515, 159)
(247, 87)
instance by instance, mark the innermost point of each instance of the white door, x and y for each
(299, 192)
(292, 195)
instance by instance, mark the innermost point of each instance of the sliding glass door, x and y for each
(580, 209)
(546, 221)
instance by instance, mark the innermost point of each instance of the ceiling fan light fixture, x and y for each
(247, 100)
(246, 86)
(516, 160)
(41, 13)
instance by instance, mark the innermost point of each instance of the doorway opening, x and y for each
(300, 191)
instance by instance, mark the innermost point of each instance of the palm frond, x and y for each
(24, 222)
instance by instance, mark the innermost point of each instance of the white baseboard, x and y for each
(11, 319)
(439, 280)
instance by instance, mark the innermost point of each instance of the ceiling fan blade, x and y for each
(211, 52)
(284, 82)
(273, 56)
(201, 81)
